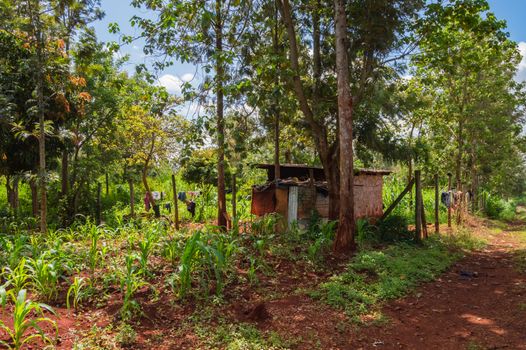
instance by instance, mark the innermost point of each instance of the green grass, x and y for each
(373, 276)
(241, 336)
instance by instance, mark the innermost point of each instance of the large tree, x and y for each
(206, 33)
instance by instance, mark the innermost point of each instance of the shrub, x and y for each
(394, 228)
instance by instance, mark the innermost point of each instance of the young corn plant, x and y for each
(187, 262)
(171, 250)
(130, 282)
(44, 277)
(145, 250)
(17, 278)
(25, 329)
(77, 291)
(94, 254)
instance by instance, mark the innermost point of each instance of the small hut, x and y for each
(303, 191)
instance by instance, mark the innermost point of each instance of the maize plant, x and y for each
(27, 319)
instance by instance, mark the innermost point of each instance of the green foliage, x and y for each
(126, 336)
(498, 208)
(394, 228)
(22, 331)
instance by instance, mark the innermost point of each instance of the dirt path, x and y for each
(479, 304)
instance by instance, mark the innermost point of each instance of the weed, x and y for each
(126, 336)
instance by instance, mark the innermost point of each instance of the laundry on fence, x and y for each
(182, 196)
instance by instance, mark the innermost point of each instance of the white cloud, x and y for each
(521, 73)
(187, 77)
(172, 83)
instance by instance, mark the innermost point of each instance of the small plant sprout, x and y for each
(77, 291)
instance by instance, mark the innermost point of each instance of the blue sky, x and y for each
(120, 11)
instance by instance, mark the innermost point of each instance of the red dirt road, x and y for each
(479, 304)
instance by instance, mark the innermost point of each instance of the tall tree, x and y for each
(344, 240)
(206, 33)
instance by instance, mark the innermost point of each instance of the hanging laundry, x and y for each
(445, 198)
(182, 196)
(190, 206)
(194, 194)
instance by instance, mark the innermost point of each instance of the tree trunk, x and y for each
(132, 198)
(460, 150)
(275, 44)
(34, 197)
(107, 184)
(234, 197)
(41, 116)
(221, 196)
(64, 173)
(145, 173)
(344, 240)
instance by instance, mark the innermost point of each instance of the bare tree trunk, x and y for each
(275, 44)
(132, 197)
(220, 75)
(344, 240)
(64, 173)
(34, 197)
(460, 150)
(41, 123)
(145, 173)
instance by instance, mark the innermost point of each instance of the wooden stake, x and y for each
(424, 221)
(398, 199)
(418, 206)
(437, 203)
(234, 200)
(176, 206)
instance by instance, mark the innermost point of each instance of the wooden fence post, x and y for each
(176, 206)
(449, 207)
(437, 203)
(408, 188)
(418, 206)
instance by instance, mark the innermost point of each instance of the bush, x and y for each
(394, 229)
(500, 209)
